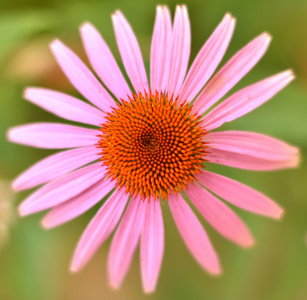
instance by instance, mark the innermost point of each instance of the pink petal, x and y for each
(180, 50)
(233, 71)
(243, 161)
(65, 106)
(55, 166)
(125, 241)
(98, 230)
(130, 52)
(103, 61)
(220, 216)
(62, 189)
(252, 144)
(194, 235)
(81, 77)
(152, 245)
(208, 59)
(159, 54)
(52, 135)
(77, 205)
(240, 195)
(246, 100)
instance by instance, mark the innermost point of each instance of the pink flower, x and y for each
(153, 145)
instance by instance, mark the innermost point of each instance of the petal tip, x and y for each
(148, 289)
(165, 9)
(16, 185)
(114, 17)
(27, 92)
(218, 271)
(291, 74)
(297, 159)
(85, 26)
(248, 243)
(228, 16)
(279, 213)
(45, 224)
(22, 211)
(178, 9)
(118, 13)
(10, 134)
(73, 268)
(159, 8)
(114, 285)
(55, 43)
(267, 36)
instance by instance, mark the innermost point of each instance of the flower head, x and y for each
(152, 144)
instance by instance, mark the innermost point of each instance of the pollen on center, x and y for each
(151, 145)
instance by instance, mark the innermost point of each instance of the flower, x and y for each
(151, 145)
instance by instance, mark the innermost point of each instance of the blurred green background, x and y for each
(34, 263)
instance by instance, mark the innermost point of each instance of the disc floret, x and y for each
(152, 146)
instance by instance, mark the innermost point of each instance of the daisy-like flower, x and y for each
(151, 144)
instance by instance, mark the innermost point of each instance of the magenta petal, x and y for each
(152, 245)
(194, 235)
(246, 100)
(253, 144)
(62, 189)
(55, 166)
(125, 241)
(81, 77)
(159, 53)
(98, 230)
(220, 216)
(77, 205)
(240, 195)
(53, 135)
(179, 51)
(248, 162)
(130, 52)
(103, 62)
(233, 71)
(65, 106)
(208, 59)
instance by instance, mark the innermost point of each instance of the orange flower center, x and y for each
(152, 146)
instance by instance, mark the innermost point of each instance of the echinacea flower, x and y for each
(150, 144)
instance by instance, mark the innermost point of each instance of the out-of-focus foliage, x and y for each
(35, 263)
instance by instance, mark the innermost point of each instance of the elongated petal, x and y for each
(55, 166)
(130, 52)
(252, 144)
(81, 77)
(194, 235)
(220, 216)
(233, 71)
(103, 62)
(248, 162)
(152, 245)
(65, 106)
(62, 189)
(180, 50)
(52, 135)
(160, 49)
(77, 205)
(246, 100)
(125, 241)
(240, 195)
(98, 230)
(208, 59)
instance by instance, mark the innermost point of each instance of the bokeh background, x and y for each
(34, 262)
